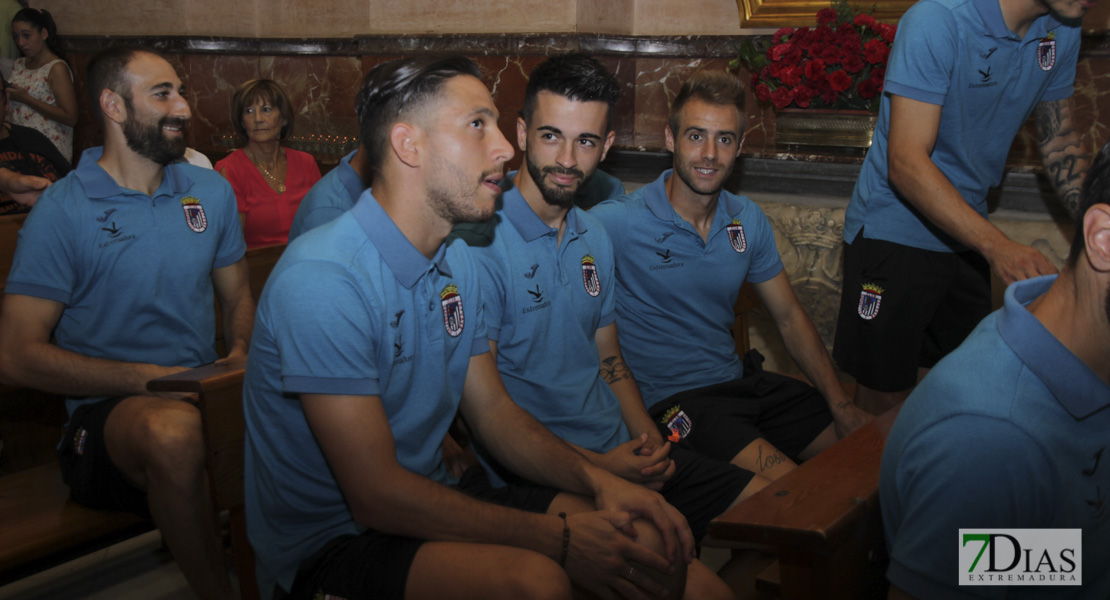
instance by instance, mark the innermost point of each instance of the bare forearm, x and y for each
(238, 325)
(47, 367)
(415, 506)
(619, 377)
(527, 448)
(805, 346)
(1065, 159)
(925, 187)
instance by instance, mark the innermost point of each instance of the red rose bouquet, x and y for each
(840, 63)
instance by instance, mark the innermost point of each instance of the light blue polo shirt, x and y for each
(544, 303)
(330, 197)
(675, 293)
(1007, 431)
(600, 187)
(132, 271)
(351, 308)
(959, 54)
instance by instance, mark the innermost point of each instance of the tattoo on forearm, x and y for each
(843, 404)
(614, 370)
(1050, 118)
(771, 460)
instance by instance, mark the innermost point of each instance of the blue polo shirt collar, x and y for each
(349, 178)
(97, 183)
(530, 226)
(404, 260)
(655, 197)
(991, 13)
(1073, 383)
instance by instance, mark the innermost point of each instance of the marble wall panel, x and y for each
(657, 82)
(211, 81)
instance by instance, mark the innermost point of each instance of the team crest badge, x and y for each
(452, 305)
(589, 276)
(678, 422)
(1046, 52)
(736, 236)
(869, 300)
(194, 214)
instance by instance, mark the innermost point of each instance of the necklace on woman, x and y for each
(258, 163)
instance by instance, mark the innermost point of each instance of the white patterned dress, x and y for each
(36, 84)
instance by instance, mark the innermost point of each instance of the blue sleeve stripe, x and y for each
(913, 93)
(767, 275)
(37, 291)
(606, 319)
(480, 345)
(1058, 94)
(330, 385)
(227, 261)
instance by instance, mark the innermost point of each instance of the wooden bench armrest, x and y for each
(201, 380)
(813, 506)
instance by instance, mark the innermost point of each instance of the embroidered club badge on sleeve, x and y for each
(677, 422)
(452, 305)
(869, 300)
(1046, 52)
(589, 276)
(194, 214)
(736, 236)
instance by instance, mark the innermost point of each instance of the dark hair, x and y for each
(395, 89)
(711, 87)
(266, 90)
(106, 71)
(575, 76)
(1096, 190)
(40, 19)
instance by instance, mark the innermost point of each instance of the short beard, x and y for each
(555, 196)
(149, 141)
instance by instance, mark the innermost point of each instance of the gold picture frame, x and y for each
(803, 13)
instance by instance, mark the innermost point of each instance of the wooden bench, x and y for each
(822, 519)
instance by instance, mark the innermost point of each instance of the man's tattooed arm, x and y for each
(1065, 160)
(614, 369)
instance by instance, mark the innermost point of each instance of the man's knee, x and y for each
(159, 436)
(648, 536)
(535, 576)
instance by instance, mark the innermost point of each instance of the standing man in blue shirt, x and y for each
(963, 77)
(118, 262)
(1009, 431)
(684, 246)
(370, 337)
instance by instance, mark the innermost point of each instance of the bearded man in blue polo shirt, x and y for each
(684, 246)
(1010, 431)
(963, 77)
(370, 337)
(548, 283)
(118, 262)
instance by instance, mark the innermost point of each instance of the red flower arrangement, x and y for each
(840, 63)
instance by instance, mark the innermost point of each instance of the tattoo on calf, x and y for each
(614, 370)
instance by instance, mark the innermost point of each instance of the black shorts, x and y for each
(92, 477)
(376, 565)
(702, 487)
(902, 308)
(720, 420)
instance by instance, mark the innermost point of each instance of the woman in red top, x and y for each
(269, 180)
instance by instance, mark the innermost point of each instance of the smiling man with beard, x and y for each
(119, 261)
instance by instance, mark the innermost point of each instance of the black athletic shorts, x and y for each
(92, 477)
(720, 420)
(902, 308)
(703, 487)
(376, 565)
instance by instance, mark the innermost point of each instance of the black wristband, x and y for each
(566, 541)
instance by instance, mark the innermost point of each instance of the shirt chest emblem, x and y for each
(589, 276)
(452, 304)
(1046, 52)
(736, 236)
(194, 214)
